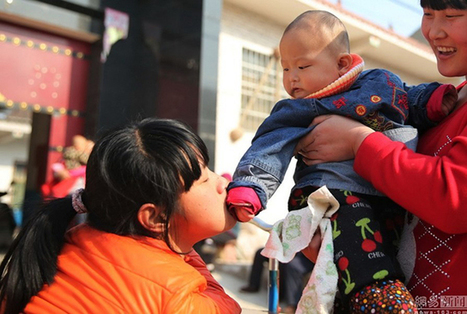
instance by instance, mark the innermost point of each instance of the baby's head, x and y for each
(314, 52)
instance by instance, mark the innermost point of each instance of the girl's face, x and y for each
(203, 211)
(446, 32)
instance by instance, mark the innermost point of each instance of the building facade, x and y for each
(85, 66)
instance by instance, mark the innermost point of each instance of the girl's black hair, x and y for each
(152, 161)
(444, 4)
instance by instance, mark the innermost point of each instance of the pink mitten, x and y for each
(243, 198)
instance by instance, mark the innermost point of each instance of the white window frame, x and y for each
(261, 87)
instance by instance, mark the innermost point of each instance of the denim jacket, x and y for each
(378, 98)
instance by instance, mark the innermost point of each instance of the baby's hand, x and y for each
(312, 250)
(449, 101)
(243, 214)
(243, 203)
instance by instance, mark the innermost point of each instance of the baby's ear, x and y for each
(344, 63)
(151, 218)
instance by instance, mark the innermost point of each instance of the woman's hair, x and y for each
(152, 161)
(444, 4)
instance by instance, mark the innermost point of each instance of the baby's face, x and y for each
(307, 65)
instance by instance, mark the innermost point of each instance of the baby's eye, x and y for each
(303, 67)
(286, 69)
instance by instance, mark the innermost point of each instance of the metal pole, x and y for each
(273, 297)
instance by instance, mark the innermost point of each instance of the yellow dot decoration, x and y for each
(360, 110)
(42, 46)
(38, 108)
(375, 99)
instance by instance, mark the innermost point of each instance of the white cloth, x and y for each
(294, 233)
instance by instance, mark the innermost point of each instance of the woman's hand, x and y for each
(449, 101)
(312, 250)
(335, 138)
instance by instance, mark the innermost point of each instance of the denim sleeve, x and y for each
(418, 97)
(265, 163)
(376, 99)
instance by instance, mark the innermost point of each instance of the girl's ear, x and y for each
(151, 218)
(344, 63)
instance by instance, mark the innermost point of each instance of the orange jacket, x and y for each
(100, 272)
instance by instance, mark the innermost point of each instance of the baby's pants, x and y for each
(366, 231)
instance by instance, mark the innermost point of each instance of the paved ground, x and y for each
(232, 278)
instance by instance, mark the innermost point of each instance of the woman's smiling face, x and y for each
(446, 32)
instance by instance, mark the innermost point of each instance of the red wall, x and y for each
(41, 72)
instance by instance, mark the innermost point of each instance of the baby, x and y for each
(323, 77)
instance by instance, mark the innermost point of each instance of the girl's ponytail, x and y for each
(31, 260)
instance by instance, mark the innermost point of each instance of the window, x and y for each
(261, 87)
